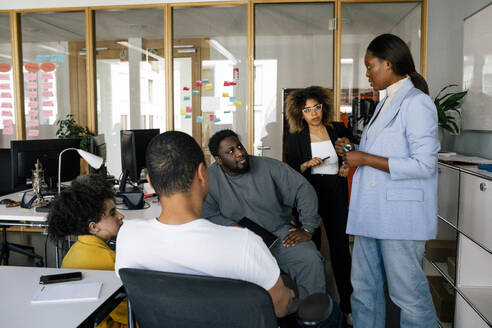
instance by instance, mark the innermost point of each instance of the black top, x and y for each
(299, 145)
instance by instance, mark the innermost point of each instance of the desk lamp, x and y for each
(93, 160)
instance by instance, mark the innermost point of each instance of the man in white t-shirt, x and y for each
(180, 240)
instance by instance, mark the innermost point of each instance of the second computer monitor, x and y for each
(133, 146)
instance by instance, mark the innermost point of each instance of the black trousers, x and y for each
(332, 191)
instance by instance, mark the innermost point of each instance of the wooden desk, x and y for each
(18, 285)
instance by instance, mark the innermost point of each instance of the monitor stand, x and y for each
(134, 200)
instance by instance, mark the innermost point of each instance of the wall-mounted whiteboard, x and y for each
(477, 71)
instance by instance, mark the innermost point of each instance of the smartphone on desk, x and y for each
(60, 277)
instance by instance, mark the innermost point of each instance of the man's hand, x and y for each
(234, 224)
(340, 143)
(354, 158)
(295, 237)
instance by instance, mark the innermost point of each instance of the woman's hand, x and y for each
(340, 143)
(315, 161)
(343, 171)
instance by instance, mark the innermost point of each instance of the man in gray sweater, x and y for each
(265, 191)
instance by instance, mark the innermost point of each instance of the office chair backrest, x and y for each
(162, 299)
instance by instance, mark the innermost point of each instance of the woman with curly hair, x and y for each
(311, 151)
(87, 210)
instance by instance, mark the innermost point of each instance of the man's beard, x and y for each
(240, 170)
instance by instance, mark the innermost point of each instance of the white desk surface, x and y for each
(23, 214)
(18, 285)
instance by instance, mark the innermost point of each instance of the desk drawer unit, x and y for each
(448, 193)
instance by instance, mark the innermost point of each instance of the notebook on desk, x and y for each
(67, 292)
(268, 238)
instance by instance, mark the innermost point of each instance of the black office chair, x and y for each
(162, 299)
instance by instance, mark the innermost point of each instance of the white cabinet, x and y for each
(465, 213)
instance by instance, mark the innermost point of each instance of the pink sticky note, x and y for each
(31, 85)
(4, 77)
(32, 133)
(226, 84)
(186, 89)
(47, 76)
(32, 112)
(212, 117)
(31, 76)
(6, 113)
(32, 104)
(47, 85)
(7, 122)
(198, 83)
(5, 95)
(33, 123)
(189, 109)
(46, 112)
(47, 94)
(232, 83)
(31, 94)
(8, 131)
(47, 104)
(6, 105)
(4, 86)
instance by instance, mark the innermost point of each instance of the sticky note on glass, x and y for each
(31, 76)
(31, 94)
(188, 116)
(5, 95)
(182, 112)
(32, 85)
(47, 85)
(32, 112)
(237, 103)
(186, 89)
(225, 94)
(47, 94)
(6, 113)
(209, 86)
(186, 98)
(7, 122)
(227, 111)
(6, 86)
(47, 76)
(199, 119)
(189, 109)
(32, 133)
(195, 92)
(232, 99)
(32, 104)
(4, 77)
(204, 80)
(6, 105)
(47, 104)
(198, 83)
(46, 113)
(212, 118)
(216, 120)
(33, 123)
(8, 131)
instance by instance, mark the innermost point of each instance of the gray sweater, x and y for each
(266, 195)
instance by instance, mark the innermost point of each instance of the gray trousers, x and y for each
(304, 264)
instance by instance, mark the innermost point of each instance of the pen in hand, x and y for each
(323, 159)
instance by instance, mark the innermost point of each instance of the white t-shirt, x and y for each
(199, 247)
(323, 149)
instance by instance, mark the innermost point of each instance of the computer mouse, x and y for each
(6, 201)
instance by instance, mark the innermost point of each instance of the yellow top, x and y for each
(91, 253)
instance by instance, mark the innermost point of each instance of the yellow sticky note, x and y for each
(182, 111)
(225, 94)
(238, 103)
(209, 86)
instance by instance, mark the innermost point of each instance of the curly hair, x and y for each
(75, 207)
(214, 142)
(296, 101)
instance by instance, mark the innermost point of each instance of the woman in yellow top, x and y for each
(87, 210)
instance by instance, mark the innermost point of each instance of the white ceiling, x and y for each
(271, 19)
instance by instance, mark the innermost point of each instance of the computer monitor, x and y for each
(133, 146)
(25, 153)
(97, 147)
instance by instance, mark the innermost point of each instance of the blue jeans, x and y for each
(400, 263)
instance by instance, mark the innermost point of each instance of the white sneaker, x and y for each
(348, 319)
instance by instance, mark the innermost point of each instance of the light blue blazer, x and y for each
(401, 204)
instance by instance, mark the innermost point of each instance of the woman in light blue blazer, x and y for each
(393, 206)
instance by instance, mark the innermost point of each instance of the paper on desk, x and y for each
(464, 159)
(67, 292)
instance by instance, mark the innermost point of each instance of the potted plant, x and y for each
(68, 128)
(448, 107)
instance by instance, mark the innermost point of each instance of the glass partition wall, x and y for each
(210, 71)
(51, 69)
(7, 112)
(130, 75)
(362, 22)
(294, 46)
